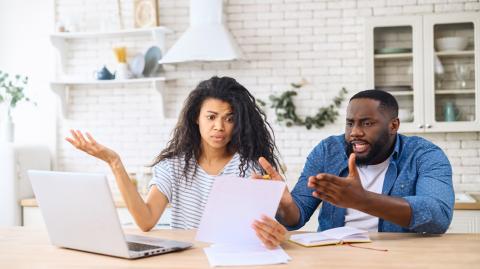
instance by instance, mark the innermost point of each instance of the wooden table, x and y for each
(30, 248)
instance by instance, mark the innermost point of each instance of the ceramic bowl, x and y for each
(451, 43)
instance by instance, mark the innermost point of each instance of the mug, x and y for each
(450, 112)
(103, 74)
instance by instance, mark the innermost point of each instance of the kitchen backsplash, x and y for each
(284, 42)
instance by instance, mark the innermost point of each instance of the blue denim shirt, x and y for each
(419, 172)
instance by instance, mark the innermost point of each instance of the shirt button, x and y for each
(401, 186)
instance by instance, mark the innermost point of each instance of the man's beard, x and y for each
(376, 148)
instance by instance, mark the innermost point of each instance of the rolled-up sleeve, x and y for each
(432, 204)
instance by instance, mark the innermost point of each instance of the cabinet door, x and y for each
(465, 221)
(451, 61)
(394, 64)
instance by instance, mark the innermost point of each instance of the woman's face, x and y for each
(215, 123)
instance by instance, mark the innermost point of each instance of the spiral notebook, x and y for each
(331, 237)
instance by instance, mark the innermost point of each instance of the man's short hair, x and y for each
(387, 101)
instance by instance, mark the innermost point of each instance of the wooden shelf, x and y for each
(393, 56)
(455, 91)
(455, 53)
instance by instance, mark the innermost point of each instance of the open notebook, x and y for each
(331, 237)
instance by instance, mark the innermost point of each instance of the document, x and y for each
(331, 237)
(232, 206)
(243, 255)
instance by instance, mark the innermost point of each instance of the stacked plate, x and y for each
(137, 65)
(392, 50)
(152, 56)
(146, 65)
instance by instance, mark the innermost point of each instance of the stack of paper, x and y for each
(332, 236)
(238, 255)
(232, 206)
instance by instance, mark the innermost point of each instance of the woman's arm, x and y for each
(145, 214)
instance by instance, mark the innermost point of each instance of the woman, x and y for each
(220, 131)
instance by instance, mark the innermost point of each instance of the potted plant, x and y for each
(12, 91)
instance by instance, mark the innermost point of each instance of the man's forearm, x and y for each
(393, 209)
(288, 213)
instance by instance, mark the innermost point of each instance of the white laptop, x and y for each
(80, 214)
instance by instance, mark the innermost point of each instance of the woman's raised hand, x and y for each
(90, 146)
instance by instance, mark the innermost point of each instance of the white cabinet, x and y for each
(63, 83)
(452, 98)
(465, 221)
(14, 183)
(436, 88)
(32, 217)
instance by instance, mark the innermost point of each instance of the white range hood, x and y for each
(206, 39)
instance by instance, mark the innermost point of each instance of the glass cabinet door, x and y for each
(451, 60)
(393, 66)
(396, 66)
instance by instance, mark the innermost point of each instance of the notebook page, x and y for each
(346, 232)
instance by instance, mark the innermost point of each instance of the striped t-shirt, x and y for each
(188, 197)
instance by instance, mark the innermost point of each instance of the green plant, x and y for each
(285, 109)
(12, 90)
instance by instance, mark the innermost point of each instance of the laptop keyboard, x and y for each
(141, 247)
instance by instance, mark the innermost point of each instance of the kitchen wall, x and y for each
(26, 50)
(285, 41)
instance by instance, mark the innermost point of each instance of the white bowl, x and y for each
(451, 43)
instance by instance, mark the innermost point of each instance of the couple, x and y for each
(370, 178)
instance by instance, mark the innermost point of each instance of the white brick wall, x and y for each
(285, 41)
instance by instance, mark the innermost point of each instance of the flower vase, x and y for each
(7, 128)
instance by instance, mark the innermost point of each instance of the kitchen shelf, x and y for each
(108, 82)
(470, 91)
(394, 56)
(59, 40)
(120, 33)
(401, 93)
(62, 88)
(455, 53)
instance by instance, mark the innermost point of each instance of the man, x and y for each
(371, 177)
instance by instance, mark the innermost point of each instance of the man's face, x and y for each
(369, 131)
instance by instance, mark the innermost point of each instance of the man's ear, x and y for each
(394, 125)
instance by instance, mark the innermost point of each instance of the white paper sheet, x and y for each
(242, 255)
(234, 203)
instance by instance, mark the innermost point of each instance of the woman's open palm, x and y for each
(90, 146)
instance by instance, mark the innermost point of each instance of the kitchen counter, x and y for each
(32, 202)
(469, 206)
(119, 203)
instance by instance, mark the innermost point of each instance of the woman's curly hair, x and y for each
(252, 135)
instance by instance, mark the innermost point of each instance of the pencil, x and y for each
(267, 176)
